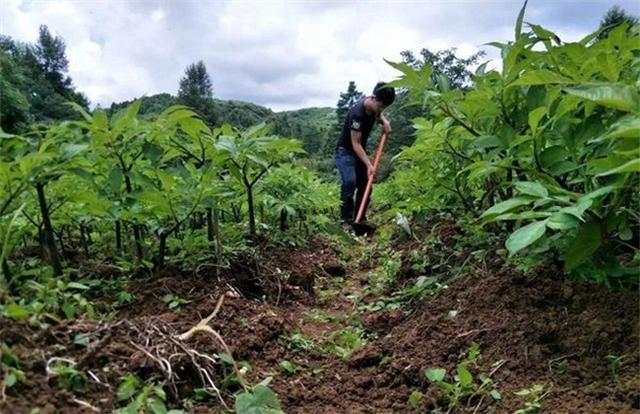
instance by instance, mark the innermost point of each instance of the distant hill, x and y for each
(313, 126)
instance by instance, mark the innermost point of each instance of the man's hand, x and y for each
(386, 126)
(370, 170)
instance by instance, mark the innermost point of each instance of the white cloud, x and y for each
(282, 54)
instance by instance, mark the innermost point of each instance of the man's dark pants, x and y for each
(353, 173)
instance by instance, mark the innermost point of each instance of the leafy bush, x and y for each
(549, 143)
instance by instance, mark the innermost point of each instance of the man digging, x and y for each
(353, 163)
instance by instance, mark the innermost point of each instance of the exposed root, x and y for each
(203, 326)
(204, 322)
(86, 405)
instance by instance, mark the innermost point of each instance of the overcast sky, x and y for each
(281, 54)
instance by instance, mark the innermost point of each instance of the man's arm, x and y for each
(356, 143)
(386, 125)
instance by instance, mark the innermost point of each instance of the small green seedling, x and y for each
(301, 342)
(345, 341)
(173, 301)
(536, 394)
(415, 398)
(123, 298)
(68, 377)
(320, 315)
(289, 367)
(10, 367)
(142, 398)
(615, 363)
(259, 400)
(463, 387)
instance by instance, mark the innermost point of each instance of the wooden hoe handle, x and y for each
(376, 162)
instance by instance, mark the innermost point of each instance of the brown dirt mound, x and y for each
(547, 331)
(144, 345)
(543, 329)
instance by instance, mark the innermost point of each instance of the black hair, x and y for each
(384, 93)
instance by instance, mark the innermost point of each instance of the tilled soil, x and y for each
(538, 329)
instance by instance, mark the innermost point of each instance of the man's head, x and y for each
(384, 95)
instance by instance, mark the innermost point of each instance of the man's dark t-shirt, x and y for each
(358, 120)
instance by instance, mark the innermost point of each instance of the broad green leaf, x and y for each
(525, 215)
(81, 110)
(100, 120)
(435, 374)
(525, 236)
(627, 127)
(487, 141)
(415, 398)
(261, 401)
(557, 160)
(11, 380)
(71, 150)
(631, 166)
(16, 312)
(535, 116)
(562, 221)
(544, 34)
(68, 309)
(586, 241)
(76, 285)
(579, 208)
(115, 180)
(614, 95)
(541, 77)
(506, 206)
(464, 376)
(128, 387)
(495, 394)
(531, 188)
(156, 406)
(518, 30)
(602, 191)
(152, 151)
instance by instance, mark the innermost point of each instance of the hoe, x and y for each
(365, 228)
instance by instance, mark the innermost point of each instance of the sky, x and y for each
(280, 54)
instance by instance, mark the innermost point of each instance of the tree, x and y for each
(37, 72)
(250, 154)
(444, 63)
(50, 53)
(615, 16)
(346, 101)
(14, 105)
(196, 90)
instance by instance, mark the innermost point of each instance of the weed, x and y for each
(232, 378)
(345, 341)
(320, 315)
(68, 377)
(289, 367)
(415, 398)
(51, 298)
(10, 372)
(615, 363)
(387, 271)
(173, 301)
(259, 400)
(123, 298)
(301, 342)
(463, 387)
(424, 287)
(536, 394)
(142, 398)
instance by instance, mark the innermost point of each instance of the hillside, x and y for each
(313, 126)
